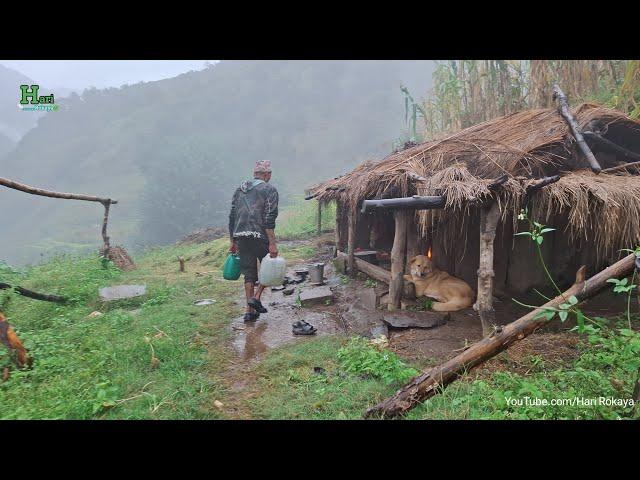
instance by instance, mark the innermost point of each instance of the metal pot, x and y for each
(316, 273)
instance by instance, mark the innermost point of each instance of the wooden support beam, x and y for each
(351, 241)
(533, 187)
(608, 145)
(319, 225)
(413, 240)
(34, 295)
(398, 253)
(373, 271)
(416, 202)
(621, 167)
(338, 232)
(563, 108)
(489, 217)
(430, 382)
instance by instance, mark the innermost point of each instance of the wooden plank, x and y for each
(369, 269)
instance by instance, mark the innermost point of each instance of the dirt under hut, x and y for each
(457, 200)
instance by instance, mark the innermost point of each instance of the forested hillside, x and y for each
(173, 151)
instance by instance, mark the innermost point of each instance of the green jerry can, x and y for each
(231, 269)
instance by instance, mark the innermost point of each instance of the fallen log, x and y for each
(563, 108)
(10, 340)
(369, 269)
(431, 381)
(35, 295)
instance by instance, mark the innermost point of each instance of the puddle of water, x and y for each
(273, 328)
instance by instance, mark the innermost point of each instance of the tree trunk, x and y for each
(575, 129)
(489, 217)
(397, 259)
(430, 382)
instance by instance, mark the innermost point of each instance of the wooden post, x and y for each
(181, 260)
(338, 232)
(351, 241)
(397, 259)
(319, 229)
(484, 305)
(413, 240)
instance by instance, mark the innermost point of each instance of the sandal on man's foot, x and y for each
(257, 304)
(251, 317)
(303, 328)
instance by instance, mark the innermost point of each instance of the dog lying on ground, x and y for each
(450, 293)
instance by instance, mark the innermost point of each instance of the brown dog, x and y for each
(451, 293)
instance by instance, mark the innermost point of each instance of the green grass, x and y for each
(100, 367)
(300, 220)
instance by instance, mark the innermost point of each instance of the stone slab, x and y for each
(315, 295)
(120, 292)
(407, 319)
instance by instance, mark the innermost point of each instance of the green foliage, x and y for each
(300, 219)
(370, 283)
(359, 357)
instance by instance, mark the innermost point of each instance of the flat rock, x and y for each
(316, 295)
(368, 298)
(121, 292)
(406, 319)
(380, 330)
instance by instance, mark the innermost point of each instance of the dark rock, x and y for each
(288, 291)
(407, 319)
(368, 298)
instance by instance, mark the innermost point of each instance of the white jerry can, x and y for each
(272, 271)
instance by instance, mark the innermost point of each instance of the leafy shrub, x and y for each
(359, 357)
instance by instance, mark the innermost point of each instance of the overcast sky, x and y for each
(80, 74)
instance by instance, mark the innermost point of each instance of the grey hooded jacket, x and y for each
(254, 209)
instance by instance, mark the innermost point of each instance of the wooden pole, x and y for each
(398, 252)
(319, 229)
(413, 240)
(563, 108)
(181, 260)
(484, 305)
(430, 382)
(106, 202)
(338, 232)
(351, 241)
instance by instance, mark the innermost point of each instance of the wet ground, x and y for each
(347, 315)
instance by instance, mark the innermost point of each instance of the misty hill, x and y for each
(173, 151)
(14, 123)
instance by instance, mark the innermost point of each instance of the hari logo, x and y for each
(30, 97)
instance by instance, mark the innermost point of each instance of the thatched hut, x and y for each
(483, 176)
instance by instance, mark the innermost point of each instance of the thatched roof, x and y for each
(525, 146)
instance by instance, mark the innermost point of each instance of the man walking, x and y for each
(252, 222)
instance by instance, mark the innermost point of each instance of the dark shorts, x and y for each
(251, 251)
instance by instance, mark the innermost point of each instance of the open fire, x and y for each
(429, 253)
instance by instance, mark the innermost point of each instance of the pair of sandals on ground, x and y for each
(299, 328)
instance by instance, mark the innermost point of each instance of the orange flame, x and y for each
(429, 253)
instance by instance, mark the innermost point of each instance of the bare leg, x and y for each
(259, 291)
(248, 290)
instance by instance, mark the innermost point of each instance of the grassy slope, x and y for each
(100, 367)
